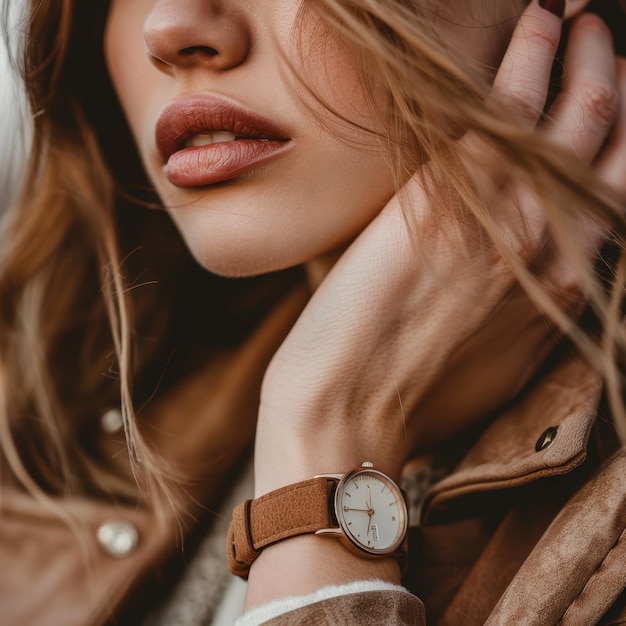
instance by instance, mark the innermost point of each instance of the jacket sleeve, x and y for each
(363, 603)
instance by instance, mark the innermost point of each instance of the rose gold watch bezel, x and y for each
(343, 533)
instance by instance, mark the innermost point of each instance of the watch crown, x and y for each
(367, 464)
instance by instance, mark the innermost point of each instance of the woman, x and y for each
(440, 208)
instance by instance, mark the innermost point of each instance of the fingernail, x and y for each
(554, 6)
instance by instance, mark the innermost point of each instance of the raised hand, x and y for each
(404, 344)
(413, 336)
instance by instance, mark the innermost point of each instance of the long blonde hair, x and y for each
(94, 278)
(87, 311)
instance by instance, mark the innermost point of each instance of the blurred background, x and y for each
(14, 124)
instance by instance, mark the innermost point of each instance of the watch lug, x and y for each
(330, 476)
(335, 532)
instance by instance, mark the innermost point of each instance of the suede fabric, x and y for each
(53, 574)
(505, 456)
(517, 533)
(585, 547)
(365, 609)
(292, 510)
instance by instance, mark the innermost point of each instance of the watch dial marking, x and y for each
(375, 533)
(365, 515)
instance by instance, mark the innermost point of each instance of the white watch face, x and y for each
(371, 511)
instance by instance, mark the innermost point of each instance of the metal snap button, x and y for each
(547, 438)
(111, 421)
(118, 538)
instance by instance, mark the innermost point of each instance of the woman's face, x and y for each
(232, 144)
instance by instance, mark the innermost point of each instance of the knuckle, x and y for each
(565, 285)
(526, 98)
(601, 102)
(595, 26)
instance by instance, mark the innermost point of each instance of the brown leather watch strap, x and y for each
(296, 509)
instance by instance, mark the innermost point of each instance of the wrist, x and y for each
(303, 564)
(290, 449)
(357, 519)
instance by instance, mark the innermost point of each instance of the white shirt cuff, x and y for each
(269, 611)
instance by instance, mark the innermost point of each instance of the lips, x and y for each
(205, 140)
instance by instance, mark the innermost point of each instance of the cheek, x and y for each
(333, 88)
(332, 82)
(129, 68)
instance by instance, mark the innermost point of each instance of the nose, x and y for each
(181, 34)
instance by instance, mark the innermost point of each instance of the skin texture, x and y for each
(382, 360)
(301, 206)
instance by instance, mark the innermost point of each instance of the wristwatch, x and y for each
(363, 508)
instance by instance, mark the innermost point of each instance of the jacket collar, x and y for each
(544, 434)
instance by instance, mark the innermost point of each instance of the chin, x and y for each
(237, 257)
(238, 267)
(238, 246)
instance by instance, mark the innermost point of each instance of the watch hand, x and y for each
(345, 508)
(370, 510)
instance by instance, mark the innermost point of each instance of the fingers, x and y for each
(588, 119)
(574, 7)
(523, 77)
(584, 113)
(611, 163)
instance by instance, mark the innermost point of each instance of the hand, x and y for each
(402, 346)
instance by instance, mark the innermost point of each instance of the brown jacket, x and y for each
(528, 529)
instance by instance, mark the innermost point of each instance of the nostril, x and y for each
(197, 36)
(206, 50)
